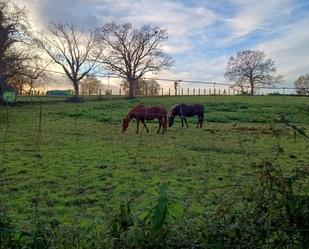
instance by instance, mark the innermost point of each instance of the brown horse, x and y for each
(142, 113)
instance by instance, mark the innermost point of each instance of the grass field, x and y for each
(81, 163)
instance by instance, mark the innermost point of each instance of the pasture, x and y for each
(66, 160)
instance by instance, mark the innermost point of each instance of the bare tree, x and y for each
(132, 52)
(251, 69)
(71, 49)
(302, 85)
(90, 85)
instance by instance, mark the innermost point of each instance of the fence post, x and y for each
(162, 91)
(169, 91)
(219, 91)
(229, 91)
(199, 92)
(188, 92)
(214, 88)
(209, 91)
(181, 91)
(193, 91)
(119, 91)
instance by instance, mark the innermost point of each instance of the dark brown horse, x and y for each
(142, 113)
(184, 111)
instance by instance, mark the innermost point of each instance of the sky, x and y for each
(203, 34)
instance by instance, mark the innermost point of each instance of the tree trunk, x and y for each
(131, 88)
(76, 88)
(252, 88)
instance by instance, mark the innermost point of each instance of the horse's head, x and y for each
(125, 124)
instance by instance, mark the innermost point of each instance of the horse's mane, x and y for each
(173, 108)
(134, 109)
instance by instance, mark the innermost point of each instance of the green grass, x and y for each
(85, 165)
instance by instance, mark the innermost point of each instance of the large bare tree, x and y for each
(251, 69)
(71, 49)
(302, 85)
(132, 52)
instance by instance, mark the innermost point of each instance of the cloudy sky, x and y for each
(203, 34)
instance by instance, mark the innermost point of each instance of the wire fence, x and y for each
(111, 85)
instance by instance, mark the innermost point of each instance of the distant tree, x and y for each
(90, 85)
(143, 87)
(133, 52)
(251, 69)
(302, 85)
(74, 50)
(28, 82)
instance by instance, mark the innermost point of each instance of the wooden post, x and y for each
(169, 91)
(214, 88)
(204, 91)
(181, 91)
(193, 91)
(199, 91)
(219, 91)
(120, 91)
(162, 91)
(209, 91)
(188, 92)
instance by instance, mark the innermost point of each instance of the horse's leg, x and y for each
(199, 123)
(182, 122)
(160, 124)
(137, 125)
(186, 122)
(201, 120)
(144, 123)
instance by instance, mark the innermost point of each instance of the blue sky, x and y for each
(203, 34)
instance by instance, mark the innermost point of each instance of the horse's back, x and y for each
(193, 109)
(149, 112)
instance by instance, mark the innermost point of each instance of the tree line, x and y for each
(119, 49)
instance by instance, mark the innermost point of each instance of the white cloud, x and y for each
(255, 15)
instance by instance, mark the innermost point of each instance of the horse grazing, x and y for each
(184, 111)
(142, 113)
